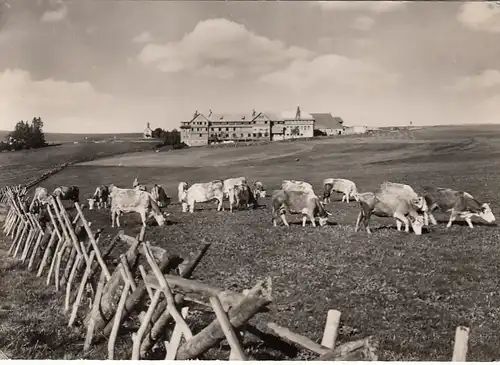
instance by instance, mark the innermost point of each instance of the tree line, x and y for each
(25, 135)
(170, 138)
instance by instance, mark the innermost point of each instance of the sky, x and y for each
(112, 66)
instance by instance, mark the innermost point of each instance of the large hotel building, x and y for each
(202, 129)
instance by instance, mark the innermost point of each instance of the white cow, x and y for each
(298, 202)
(40, 197)
(258, 190)
(199, 193)
(407, 192)
(344, 186)
(131, 200)
(294, 185)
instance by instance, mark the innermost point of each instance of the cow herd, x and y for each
(395, 200)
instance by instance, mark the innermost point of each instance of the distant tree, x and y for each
(158, 133)
(318, 132)
(26, 135)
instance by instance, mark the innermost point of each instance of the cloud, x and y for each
(486, 79)
(363, 23)
(57, 14)
(222, 47)
(68, 107)
(144, 37)
(371, 6)
(332, 71)
(481, 16)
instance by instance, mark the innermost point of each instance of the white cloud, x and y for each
(144, 37)
(332, 71)
(56, 15)
(371, 6)
(481, 16)
(222, 47)
(486, 79)
(68, 107)
(363, 23)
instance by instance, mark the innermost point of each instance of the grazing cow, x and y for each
(159, 195)
(201, 192)
(67, 193)
(388, 205)
(229, 185)
(258, 190)
(40, 197)
(132, 200)
(242, 195)
(344, 186)
(459, 203)
(406, 191)
(181, 191)
(101, 197)
(298, 202)
(294, 185)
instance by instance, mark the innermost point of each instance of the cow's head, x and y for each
(355, 195)
(419, 203)
(91, 203)
(416, 224)
(486, 213)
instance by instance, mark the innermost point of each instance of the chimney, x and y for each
(253, 113)
(195, 113)
(209, 113)
(297, 115)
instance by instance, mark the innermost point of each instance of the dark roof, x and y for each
(327, 121)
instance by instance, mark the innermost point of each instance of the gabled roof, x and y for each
(290, 115)
(267, 116)
(197, 118)
(327, 121)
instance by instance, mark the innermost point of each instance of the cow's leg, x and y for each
(343, 198)
(360, 215)
(118, 218)
(432, 219)
(313, 220)
(143, 217)
(398, 224)
(426, 219)
(453, 216)
(220, 207)
(347, 195)
(469, 221)
(366, 220)
(283, 218)
(401, 217)
(113, 214)
(304, 220)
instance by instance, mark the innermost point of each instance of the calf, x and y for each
(344, 186)
(298, 202)
(138, 186)
(242, 195)
(294, 185)
(101, 197)
(201, 192)
(159, 195)
(458, 203)
(67, 193)
(388, 205)
(132, 200)
(258, 190)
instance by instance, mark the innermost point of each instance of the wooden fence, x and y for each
(69, 254)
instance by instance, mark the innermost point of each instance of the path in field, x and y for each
(205, 156)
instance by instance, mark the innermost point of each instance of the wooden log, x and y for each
(175, 340)
(60, 244)
(110, 294)
(70, 281)
(117, 320)
(300, 340)
(95, 312)
(331, 329)
(138, 295)
(81, 289)
(137, 339)
(69, 227)
(144, 275)
(20, 228)
(69, 264)
(126, 272)
(257, 298)
(27, 243)
(461, 344)
(47, 253)
(41, 236)
(346, 351)
(187, 268)
(21, 239)
(236, 348)
(93, 242)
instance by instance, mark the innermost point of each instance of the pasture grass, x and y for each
(410, 292)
